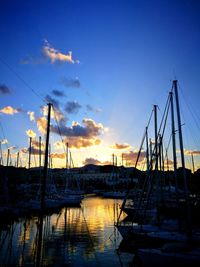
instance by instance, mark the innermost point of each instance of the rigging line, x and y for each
(165, 110)
(22, 80)
(190, 107)
(64, 147)
(3, 134)
(190, 126)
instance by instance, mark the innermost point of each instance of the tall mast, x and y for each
(183, 161)
(8, 157)
(29, 161)
(193, 168)
(17, 159)
(173, 138)
(40, 151)
(147, 148)
(156, 137)
(46, 159)
(67, 155)
(1, 161)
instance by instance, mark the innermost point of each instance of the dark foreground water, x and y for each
(83, 236)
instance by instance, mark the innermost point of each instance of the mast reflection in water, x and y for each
(74, 237)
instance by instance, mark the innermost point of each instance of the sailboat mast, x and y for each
(17, 159)
(30, 144)
(183, 161)
(147, 148)
(67, 156)
(193, 168)
(180, 136)
(8, 157)
(173, 137)
(46, 158)
(40, 151)
(156, 137)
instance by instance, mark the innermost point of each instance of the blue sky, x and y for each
(125, 55)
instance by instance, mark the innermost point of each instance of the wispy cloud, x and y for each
(31, 133)
(8, 110)
(72, 107)
(121, 146)
(54, 55)
(95, 162)
(4, 90)
(58, 155)
(58, 93)
(131, 157)
(31, 115)
(92, 109)
(70, 82)
(52, 100)
(88, 161)
(4, 141)
(41, 124)
(192, 152)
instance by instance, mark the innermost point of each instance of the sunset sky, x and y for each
(103, 65)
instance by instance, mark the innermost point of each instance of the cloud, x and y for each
(78, 136)
(95, 162)
(72, 107)
(36, 144)
(91, 161)
(4, 141)
(90, 108)
(79, 142)
(53, 101)
(31, 133)
(131, 156)
(90, 128)
(168, 162)
(12, 148)
(58, 93)
(121, 146)
(4, 90)
(41, 124)
(58, 155)
(56, 113)
(192, 152)
(8, 110)
(31, 115)
(70, 83)
(55, 55)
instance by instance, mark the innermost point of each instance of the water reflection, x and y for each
(74, 237)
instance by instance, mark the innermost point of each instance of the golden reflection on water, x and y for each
(72, 236)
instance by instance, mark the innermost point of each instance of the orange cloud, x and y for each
(192, 152)
(42, 124)
(131, 157)
(95, 162)
(58, 155)
(121, 146)
(31, 133)
(79, 142)
(9, 110)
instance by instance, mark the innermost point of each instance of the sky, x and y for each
(103, 65)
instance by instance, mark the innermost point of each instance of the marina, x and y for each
(99, 133)
(83, 236)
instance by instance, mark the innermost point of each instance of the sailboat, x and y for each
(183, 251)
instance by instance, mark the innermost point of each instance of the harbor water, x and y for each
(83, 236)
